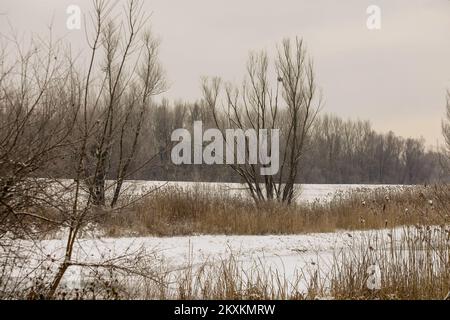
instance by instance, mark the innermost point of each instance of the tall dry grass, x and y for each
(174, 211)
(413, 264)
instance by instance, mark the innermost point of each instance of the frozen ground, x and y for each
(292, 257)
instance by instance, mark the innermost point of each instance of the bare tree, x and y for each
(114, 100)
(36, 119)
(130, 76)
(291, 106)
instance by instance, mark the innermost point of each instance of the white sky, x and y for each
(396, 77)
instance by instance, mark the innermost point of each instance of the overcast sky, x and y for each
(395, 77)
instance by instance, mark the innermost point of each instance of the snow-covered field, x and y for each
(292, 257)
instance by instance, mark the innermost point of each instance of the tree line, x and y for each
(337, 151)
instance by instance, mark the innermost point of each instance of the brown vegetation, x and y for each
(173, 211)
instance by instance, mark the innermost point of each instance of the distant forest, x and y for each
(338, 151)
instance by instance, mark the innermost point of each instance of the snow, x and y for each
(286, 255)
